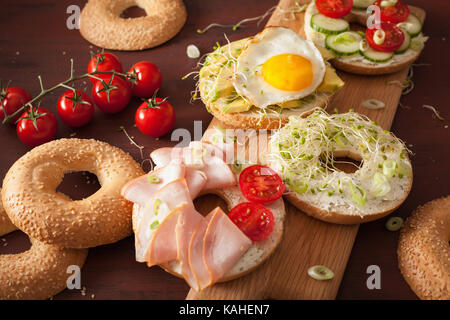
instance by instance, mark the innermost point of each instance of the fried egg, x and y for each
(278, 66)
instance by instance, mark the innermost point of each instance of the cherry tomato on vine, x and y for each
(261, 184)
(254, 220)
(75, 110)
(147, 79)
(393, 37)
(334, 8)
(112, 95)
(36, 126)
(104, 61)
(12, 99)
(155, 117)
(397, 13)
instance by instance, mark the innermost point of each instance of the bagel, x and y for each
(424, 252)
(257, 253)
(101, 24)
(217, 85)
(356, 63)
(5, 224)
(39, 273)
(33, 205)
(303, 153)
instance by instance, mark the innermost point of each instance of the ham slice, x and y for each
(223, 245)
(160, 205)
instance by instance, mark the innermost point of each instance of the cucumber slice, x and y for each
(326, 25)
(412, 25)
(377, 56)
(343, 44)
(405, 44)
(362, 4)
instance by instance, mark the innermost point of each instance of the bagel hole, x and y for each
(208, 202)
(14, 243)
(133, 12)
(346, 164)
(79, 185)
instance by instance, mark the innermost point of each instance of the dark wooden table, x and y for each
(34, 40)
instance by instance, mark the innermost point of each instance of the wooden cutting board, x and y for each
(307, 241)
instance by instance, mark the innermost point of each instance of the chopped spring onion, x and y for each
(394, 223)
(320, 273)
(358, 195)
(153, 179)
(379, 36)
(373, 104)
(404, 169)
(156, 206)
(154, 225)
(389, 168)
(380, 185)
(298, 186)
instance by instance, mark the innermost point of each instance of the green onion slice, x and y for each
(153, 179)
(320, 273)
(389, 168)
(154, 225)
(394, 223)
(156, 206)
(358, 194)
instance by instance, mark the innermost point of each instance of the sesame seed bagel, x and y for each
(32, 203)
(39, 273)
(258, 252)
(101, 24)
(5, 224)
(424, 252)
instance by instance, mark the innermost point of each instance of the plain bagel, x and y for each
(101, 24)
(32, 203)
(5, 224)
(424, 252)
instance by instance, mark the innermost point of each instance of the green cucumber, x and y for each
(376, 56)
(412, 25)
(362, 4)
(405, 44)
(326, 25)
(343, 44)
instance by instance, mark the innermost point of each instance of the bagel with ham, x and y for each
(344, 38)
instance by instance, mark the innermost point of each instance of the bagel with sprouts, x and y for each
(304, 153)
(258, 82)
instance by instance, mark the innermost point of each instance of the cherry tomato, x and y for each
(37, 126)
(155, 117)
(261, 184)
(393, 37)
(104, 61)
(113, 96)
(394, 14)
(254, 220)
(334, 8)
(75, 110)
(12, 99)
(148, 79)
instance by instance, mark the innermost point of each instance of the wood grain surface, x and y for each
(35, 40)
(307, 241)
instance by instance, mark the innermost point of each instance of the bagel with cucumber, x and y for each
(339, 28)
(258, 82)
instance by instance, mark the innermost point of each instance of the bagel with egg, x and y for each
(258, 82)
(353, 48)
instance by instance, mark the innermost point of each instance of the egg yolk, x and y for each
(289, 72)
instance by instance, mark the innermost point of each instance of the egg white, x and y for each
(248, 80)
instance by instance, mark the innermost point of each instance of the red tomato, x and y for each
(75, 111)
(394, 14)
(104, 61)
(155, 117)
(261, 184)
(393, 37)
(254, 220)
(113, 96)
(334, 8)
(12, 99)
(148, 79)
(36, 127)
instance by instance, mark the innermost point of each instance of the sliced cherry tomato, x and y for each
(75, 110)
(261, 184)
(112, 96)
(155, 117)
(37, 126)
(394, 14)
(147, 79)
(254, 220)
(104, 61)
(393, 37)
(12, 99)
(334, 8)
